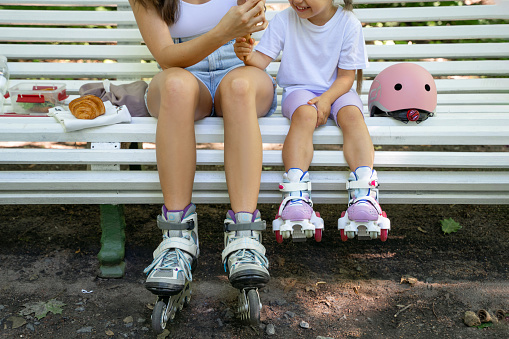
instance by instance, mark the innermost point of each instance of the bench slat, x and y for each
(270, 158)
(382, 130)
(50, 34)
(147, 70)
(367, 15)
(328, 187)
(470, 85)
(397, 52)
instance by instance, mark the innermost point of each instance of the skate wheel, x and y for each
(350, 234)
(384, 214)
(343, 235)
(318, 235)
(279, 237)
(187, 300)
(287, 234)
(309, 233)
(343, 214)
(317, 214)
(253, 301)
(373, 235)
(158, 317)
(383, 234)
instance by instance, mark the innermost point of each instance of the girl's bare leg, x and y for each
(298, 146)
(244, 94)
(357, 145)
(177, 99)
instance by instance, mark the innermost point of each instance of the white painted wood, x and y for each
(390, 52)
(382, 130)
(328, 187)
(410, 14)
(473, 111)
(270, 158)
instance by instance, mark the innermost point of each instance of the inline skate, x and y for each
(364, 217)
(170, 274)
(245, 262)
(296, 217)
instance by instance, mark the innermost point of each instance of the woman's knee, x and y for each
(178, 83)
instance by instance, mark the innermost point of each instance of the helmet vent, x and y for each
(398, 87)
(427, 88)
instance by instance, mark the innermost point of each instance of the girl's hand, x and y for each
(323, 107)
(243, 48)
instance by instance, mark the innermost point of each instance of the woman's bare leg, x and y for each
(244, 94)
(177, 99)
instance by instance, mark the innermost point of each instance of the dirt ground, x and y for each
(353, 289)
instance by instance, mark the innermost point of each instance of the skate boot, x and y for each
(295, 216)
(364, 217)
(245, 262)
(170, 274)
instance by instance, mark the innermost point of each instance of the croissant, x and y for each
(87, 107)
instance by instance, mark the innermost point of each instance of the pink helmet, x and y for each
(404, 91)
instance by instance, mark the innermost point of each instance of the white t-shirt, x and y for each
(311, 53)
(198, 19)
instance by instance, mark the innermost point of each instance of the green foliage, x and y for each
(450, 226)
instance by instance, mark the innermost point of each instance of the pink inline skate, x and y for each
(296, 217)
(364, 217)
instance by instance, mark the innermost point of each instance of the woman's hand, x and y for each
(244, 19)
(323, 107)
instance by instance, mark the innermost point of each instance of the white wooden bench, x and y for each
(457, 157)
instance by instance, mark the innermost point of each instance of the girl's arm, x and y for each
(244, 51)
(238, 21)
(342, 84)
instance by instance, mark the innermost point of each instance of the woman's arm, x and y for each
(238, 21)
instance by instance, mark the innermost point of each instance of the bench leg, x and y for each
(111, 256)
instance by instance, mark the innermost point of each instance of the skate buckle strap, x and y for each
(289, 198)
(370, 200)
(183, 244)
(243, 243)
(295, 186)
(250, 226)
(361, 184)
(174, 226)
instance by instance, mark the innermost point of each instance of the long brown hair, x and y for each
(348, 6)
(167, 9)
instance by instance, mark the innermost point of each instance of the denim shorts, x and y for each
(211, 70)
(300, 97)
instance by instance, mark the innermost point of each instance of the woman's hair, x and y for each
(167, 9)
(348, 6)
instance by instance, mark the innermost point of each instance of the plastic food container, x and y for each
(34, 98)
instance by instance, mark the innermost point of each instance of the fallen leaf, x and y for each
(42, 308)
(450, 226)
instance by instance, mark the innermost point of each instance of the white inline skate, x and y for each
(296, 217)
(170, 274)
(364, 217)
(245, 262)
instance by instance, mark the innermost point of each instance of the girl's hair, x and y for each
(168, 9)
(348, 6)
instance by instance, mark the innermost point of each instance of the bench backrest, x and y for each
(465, 48)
